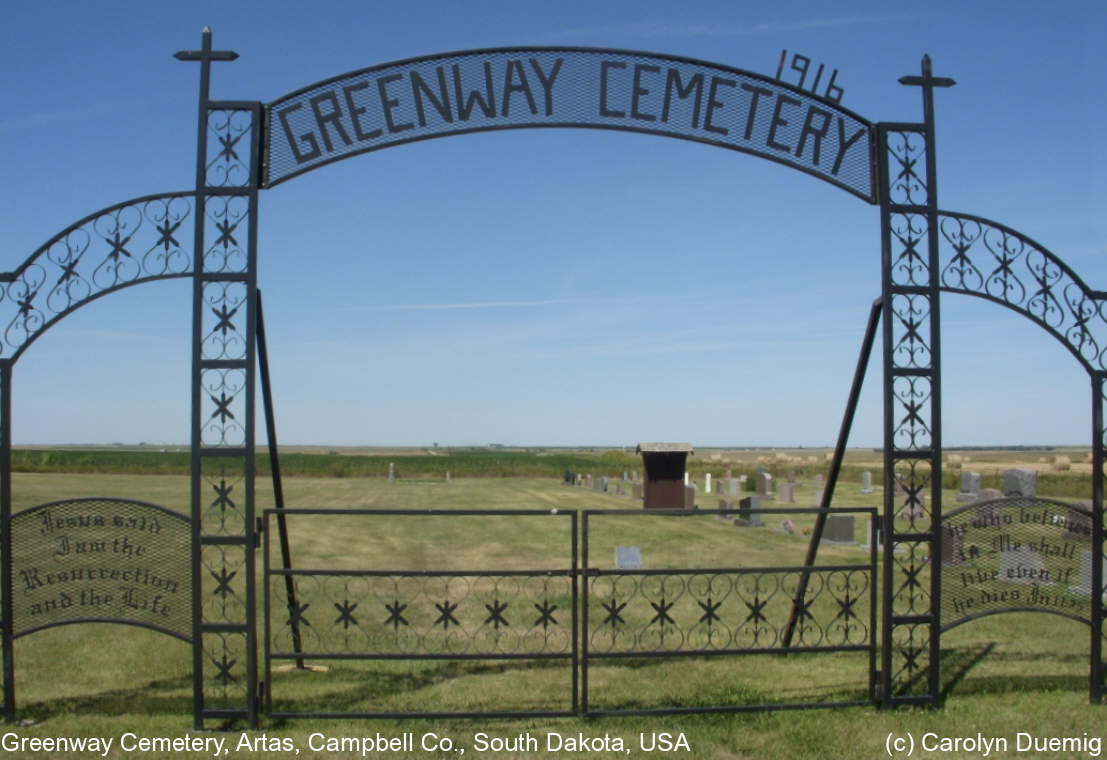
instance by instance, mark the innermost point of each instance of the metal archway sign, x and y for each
(246, 146)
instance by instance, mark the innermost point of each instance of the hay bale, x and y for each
(1062, 463)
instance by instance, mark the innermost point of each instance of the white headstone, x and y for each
(707, 483)
(628, 558)
(866, 482)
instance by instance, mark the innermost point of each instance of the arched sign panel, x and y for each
(480, 90)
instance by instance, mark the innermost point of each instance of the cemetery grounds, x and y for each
(1000, 675)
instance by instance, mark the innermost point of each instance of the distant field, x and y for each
(1070, 478)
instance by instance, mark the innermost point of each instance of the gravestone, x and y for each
(970, 487)
(690, 497)
(724, 505)
(866, 482)
(1020, 481)
(707, 483)
(619, 490)
(628, 558)
(1022, 566)
(391, 472)
(787, 492)
(1084, 587)
(839, 529)
(989, 494)
(819, 497)
(570, 476)
(686, 480)
(733, 487)
(764, 484)
(749, 512)
(1078, 527)
(636, 491)
(625, 478)
(953, 546)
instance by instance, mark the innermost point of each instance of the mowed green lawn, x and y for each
(1002, 676)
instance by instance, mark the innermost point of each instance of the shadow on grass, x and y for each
(961, 662)
(137, 700)
(346, 688)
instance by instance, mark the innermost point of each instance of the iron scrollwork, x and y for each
(982, 258)
(137, 241)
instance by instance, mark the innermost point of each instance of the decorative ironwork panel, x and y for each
(224, 321)
(141, 240)
(910, 658)
(101, 559)
(226, 671)
(481, 90)
(400, 615)
(223, 407)
(223, 485)
(230, 137)
(1017, 554)
(227, 234)
(983, 258)
(223, 590)
(725, 611)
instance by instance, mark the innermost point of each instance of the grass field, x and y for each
(1002, 677)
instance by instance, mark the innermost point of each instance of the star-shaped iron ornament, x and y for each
(296, 614)
(224, 675)
(755, 610)
(224, 579)
(662, 610)
(546, 611)
(226, 238)
(166, 230)
(225, 316)
(222, 407)
(495, 617)
(846, 608)
(227, 151)
(395, 614)
(69, 270)
(25, 306)
(345, 613)
(222, 496)
(613, 617)
(446, 615)
(118, 246)
(709, 609)
(910, 657)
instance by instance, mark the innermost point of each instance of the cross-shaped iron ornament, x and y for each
(205, 55)
(928, 82)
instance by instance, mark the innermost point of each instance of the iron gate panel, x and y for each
(631, 613)
(371, 614)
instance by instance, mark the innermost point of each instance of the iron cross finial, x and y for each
(927, 80)
(205, 55)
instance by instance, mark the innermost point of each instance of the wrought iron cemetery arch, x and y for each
(245, 146)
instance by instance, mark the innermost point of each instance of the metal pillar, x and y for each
(224, 300)
(6, 535)
(1098, 611)
(910, 654)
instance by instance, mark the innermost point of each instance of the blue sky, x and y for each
(555, 287)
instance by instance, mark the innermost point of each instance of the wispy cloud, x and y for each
(471, 305)
(658, 28)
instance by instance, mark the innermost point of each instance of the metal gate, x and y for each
(691, 608)
(353, 606)
(396, 606)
